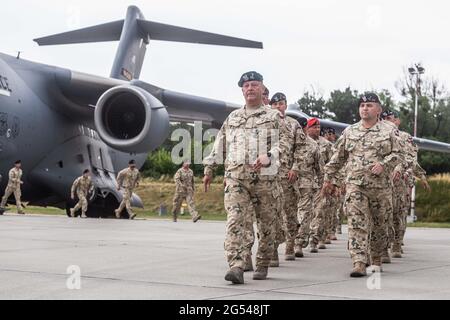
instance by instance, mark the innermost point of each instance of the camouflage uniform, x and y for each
(240, 141)
(13, 187)
(368, 200)
(293, 148)
(81, 186)
(321, 223)
(127, 179)
(184, 189)
(309, 182)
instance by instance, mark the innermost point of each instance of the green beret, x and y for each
(277, 97)
(250, 76)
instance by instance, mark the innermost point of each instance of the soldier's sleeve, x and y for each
(275, 147)
(333, 167)
(74, 186)
(91, 186)
(395, 157)
(218, 152)
(120, 177)
(300, 149)
(12, 176)
(419, 172)
(176, 178)
(138, 178)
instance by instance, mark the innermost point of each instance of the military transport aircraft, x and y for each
(59, 122)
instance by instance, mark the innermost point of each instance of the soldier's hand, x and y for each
(292, 176)
(396, 176)
(207, 182)
(262, 161)
(377, 169)
(426, 186)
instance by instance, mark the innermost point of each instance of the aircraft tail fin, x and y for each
(134, 34)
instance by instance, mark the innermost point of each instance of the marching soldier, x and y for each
(81, 186)
(13, 187)
(293, 149)
(308, 184)
(248, 142)
(184, 190)
(128, 179)
(369, 150)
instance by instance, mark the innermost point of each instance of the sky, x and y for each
(325, 44)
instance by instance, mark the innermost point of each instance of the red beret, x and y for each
(312, 122)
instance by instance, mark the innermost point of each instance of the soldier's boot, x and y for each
(117, 213)
(248, 264)
(275, 261)
(289, 253)
(72, 213)
(396, 251)
(333, 237)
(376, 264)
(299, 250)
(3, 210)
(260, 273)
(327, 240)
(385, 258)
(339, 229)
(21, 212)
(83, 215)
(235, 275)
(196, 218)
(359, 270)
(313, 247)
(322, 245)
(132, 216)
(401, 250)
(174, 217)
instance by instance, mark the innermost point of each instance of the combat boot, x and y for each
(313, 247)
(248, 264)
(196, 218)
(322, 245)
(333, 237)
(235, 275)
(117, 213)
(21, 212)
(72, 213)
(274, 262)
(260, 273)
(299, 251)
(289, 254)
(396, 251)
(83, 215)
(132, 216)
(359, 270)
(174, 216)
(376, 264)
(386, 258)
(327, 241)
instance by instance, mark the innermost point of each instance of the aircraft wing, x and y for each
(423, 144)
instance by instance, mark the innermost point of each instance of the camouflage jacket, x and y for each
(293, 146)
(82, 185)
(184, 180)
(326, 149)
(242, 138)
(15, 177)
(128, 179)
(359, 149)
(310, 173)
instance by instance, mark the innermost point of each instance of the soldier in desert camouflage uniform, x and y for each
(128, 179)
(184, 190)
(308, 184)
(249, 143)
(293, 148)
(81, 187)
(13, 187)
(324, 206)
(369, 150)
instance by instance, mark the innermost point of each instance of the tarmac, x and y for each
(42, 256)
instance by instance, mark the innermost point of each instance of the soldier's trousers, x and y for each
(82, 203)
(17, 194)
(178, 200)
(320, 224)
(289, 211)
(366, 210)
(400, 211)
(242, 198)
(308, 197)
(126, 201)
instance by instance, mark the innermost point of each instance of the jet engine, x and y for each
(130, 119)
